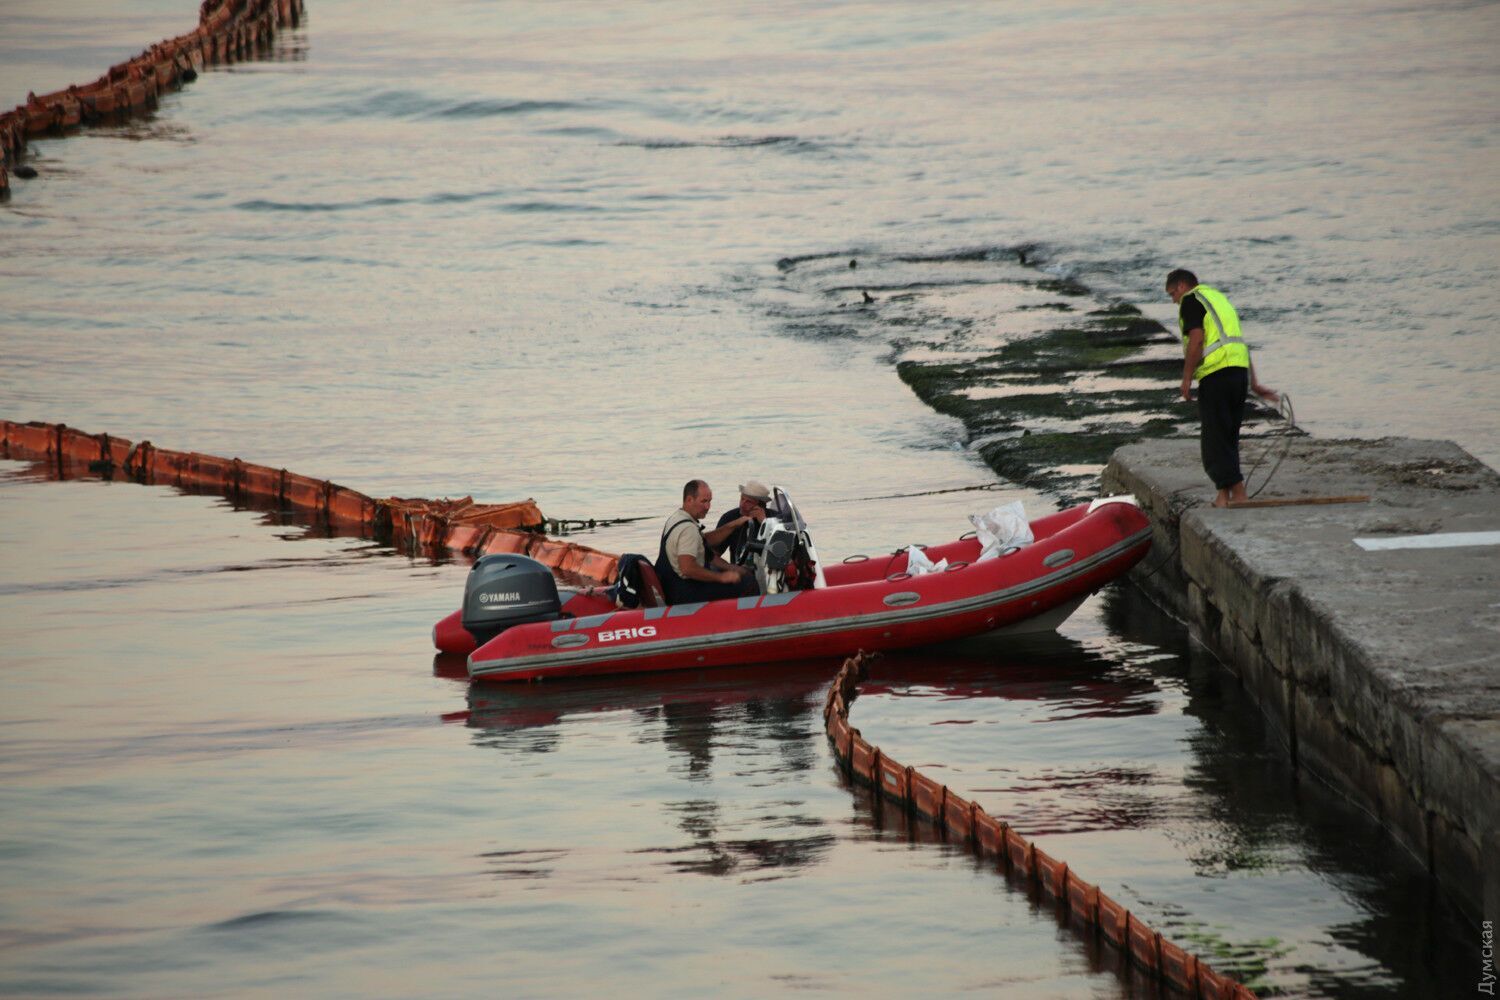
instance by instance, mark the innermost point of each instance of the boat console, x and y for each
(780, 550)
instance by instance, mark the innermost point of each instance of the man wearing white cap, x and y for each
(734, 528)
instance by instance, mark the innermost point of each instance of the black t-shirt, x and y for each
(735, 543)
(1190, 310)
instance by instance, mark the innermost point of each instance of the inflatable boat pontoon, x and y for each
(515, 626)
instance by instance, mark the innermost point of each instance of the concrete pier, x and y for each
(1379, 667)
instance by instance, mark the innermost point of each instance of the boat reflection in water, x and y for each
(715, 691)
(1046, 668)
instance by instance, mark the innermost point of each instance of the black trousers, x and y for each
(1221, 408)
(693, 591)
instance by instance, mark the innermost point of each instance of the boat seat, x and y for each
(652, 595)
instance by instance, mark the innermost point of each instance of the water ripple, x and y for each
(440, 198)
(492, 108)
(273, 918)
(789, 142)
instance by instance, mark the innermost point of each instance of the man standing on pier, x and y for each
(1216, 355)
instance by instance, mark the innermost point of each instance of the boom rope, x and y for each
(412, 525)
(987, 837)
(1291, 430)
(228, 31)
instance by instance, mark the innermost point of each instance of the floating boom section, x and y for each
(964, 822)
(228, 31)
(461, 525)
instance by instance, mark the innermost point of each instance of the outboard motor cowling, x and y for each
(505, 590)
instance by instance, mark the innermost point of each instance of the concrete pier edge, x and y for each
(1380, 670)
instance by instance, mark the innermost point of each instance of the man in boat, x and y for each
(688, 570)
(1216, 355)
(733, 532)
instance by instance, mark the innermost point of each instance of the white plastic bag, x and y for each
(1003, 528)
(917, 562)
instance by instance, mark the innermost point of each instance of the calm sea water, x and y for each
(530, 250)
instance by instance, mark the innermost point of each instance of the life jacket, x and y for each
(1223, 345)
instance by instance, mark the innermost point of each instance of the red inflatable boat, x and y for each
(518, 630)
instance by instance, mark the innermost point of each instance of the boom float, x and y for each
(411, 524)
(228, 31)
(967, 823)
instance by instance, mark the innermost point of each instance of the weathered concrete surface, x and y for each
(1381, 669)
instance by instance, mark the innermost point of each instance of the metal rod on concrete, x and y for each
(1298, 501)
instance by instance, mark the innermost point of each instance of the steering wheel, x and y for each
(753, 544)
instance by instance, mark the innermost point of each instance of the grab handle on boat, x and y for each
(856, 559)
(896, 577)
(953, 566)
(968, 535)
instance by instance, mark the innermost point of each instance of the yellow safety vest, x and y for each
(1223, 346)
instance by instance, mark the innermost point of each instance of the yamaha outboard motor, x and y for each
(505, 590)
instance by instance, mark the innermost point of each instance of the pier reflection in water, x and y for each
(1128, 752)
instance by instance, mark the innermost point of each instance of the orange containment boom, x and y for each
(473, 529)
(228, 31)
(965, 821)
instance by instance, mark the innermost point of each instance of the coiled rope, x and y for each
(1286, 433)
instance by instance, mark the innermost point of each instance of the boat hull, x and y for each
(872, 605)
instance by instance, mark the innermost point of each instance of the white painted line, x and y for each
(1441, 540)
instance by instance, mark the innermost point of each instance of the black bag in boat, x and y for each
(628, 586)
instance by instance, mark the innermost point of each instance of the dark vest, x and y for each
(666, 572)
